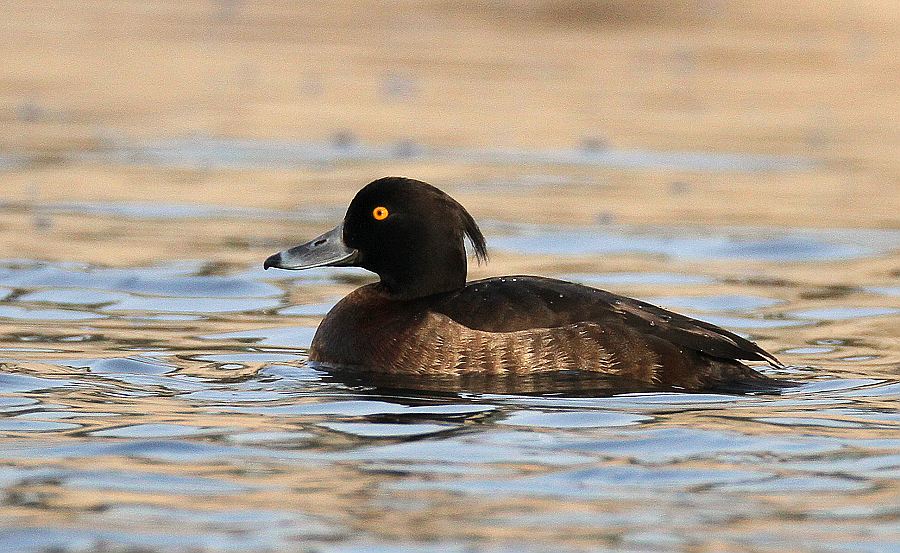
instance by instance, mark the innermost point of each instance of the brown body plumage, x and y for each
(527, 325)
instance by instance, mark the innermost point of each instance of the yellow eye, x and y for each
(380, 213)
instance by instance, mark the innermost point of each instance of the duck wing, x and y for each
(514, 303)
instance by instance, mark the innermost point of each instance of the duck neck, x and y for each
(425, 276)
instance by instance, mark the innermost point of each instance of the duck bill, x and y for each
(326, 250)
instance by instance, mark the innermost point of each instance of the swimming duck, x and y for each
(423, 318)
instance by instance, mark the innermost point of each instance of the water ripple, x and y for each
(128, 393)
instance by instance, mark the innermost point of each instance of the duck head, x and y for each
(406, 231)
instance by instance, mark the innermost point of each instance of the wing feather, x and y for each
(508, 304)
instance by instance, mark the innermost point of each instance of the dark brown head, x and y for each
(408, 232)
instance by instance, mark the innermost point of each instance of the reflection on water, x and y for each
(169, 408)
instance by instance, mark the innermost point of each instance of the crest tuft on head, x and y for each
(473, 233)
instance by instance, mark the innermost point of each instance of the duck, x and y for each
(423, 318)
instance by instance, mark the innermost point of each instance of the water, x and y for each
(736, 243)
(725, 159)
(168, 407)
(207, 152)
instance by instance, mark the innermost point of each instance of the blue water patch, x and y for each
(161, 450)
(727, 243)
(9, 162)
(178, 280)
(637, 159)
(791, 485)
(637, 279)
(18, 383)
(208, 153)
(715, 303)
(250, 357)
(231, 395)
(798, 422)
(118, 365)
(161, 210)
(194, 304)
(285, 336)
(309, 309)
(677, 444)
(603, 482)
(344, 408)
(65, 538)
(154, 431)
(836, 385)
(387, 430)
(31, 425)
(72, 296)
(812, 350)
(573, 419)
(892, 291)
(844, 313)
(874, 466)
(500, 447)
(359, 408)
(14, 403)
(227, 520)
(37, 314)
(165, 292)
(270, 437)
(640, 402)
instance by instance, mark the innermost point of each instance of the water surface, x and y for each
(169, 407)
